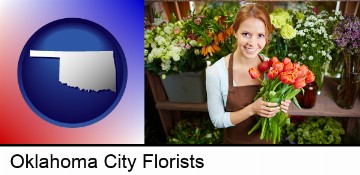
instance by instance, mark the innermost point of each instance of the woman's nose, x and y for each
(251, 41)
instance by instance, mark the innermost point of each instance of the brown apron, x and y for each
(238, 98)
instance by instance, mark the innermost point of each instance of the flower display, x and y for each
(185, 45)
(346, 34)
(211, 28)
(305, 36)
(347, 37)
(284, 81)
(164, 45)
(313, 42)
(284, 31)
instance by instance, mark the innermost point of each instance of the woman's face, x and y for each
(251, 37)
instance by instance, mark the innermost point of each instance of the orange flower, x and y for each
(287, 77)
(210, 49)
(279, 66)
(273, 60)
(310, 77)
(229, 31)
(299, 83)
(297, 72)
(264, 66)
(303, 69)
(296, 65)
(221, 37)
(254, 73)
(272, 74)
(286, 60)
(288, 67)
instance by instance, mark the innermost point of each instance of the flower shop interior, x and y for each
(183, 38)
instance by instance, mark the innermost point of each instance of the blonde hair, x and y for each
(255, 11)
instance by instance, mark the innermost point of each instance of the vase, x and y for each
(308, 99)
(187, 87)
(348, 88)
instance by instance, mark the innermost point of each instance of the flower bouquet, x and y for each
(283, 82)
(347, 37)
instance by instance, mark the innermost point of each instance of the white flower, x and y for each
(193, 43)
(150, 58)
(323, 53)
(165, 65)
(311, 57)
(329, 57)
(196, 51)
(168, 30)
(160, 40)
(337, 12)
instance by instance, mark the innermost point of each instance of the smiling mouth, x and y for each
(250, 50)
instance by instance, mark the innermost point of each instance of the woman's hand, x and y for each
(266, 109)
(285, 105)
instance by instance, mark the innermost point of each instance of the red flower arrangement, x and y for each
(284, 81)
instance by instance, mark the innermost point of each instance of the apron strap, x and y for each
(230, 72)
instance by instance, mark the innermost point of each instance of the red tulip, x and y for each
(303, 69)
(273, 60)
(279, 66)
(288, 67)
(310, 77)
(299, 83)
(286, 60)
(254, 73)
(287, 77)
(297, 72)
(264, 66)
(272, 74)
(296, 65)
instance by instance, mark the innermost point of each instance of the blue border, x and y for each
(116, 101)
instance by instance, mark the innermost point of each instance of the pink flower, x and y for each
(197, 21)
(176, 31)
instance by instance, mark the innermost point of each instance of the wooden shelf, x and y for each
(325, 104)
(182, 106)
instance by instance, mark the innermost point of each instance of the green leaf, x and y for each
(296, 102)
(292, 94)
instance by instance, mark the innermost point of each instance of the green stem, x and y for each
(256, 126)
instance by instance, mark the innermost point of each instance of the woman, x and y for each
(230, 89)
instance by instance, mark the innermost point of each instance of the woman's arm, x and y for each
(216, 106)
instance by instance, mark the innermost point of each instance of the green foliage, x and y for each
(195, 131)
(315, 130)
(185, 45)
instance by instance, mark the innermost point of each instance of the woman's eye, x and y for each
(246, 34)
(261, 36)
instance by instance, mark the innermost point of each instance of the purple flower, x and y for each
(346, 34)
